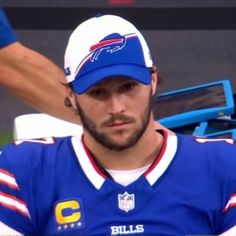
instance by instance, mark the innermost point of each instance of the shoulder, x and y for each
(26, 155)
(218, 154)
(207, 145)
(29, 146)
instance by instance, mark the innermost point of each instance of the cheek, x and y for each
(143, 99)
(92, 109)
(145, 102)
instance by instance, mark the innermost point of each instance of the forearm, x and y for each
(32, 77)
(35, 80)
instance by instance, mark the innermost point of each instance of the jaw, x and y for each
(120, 140)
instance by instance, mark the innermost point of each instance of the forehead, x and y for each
(115, 80)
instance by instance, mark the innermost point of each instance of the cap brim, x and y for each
(139, 73)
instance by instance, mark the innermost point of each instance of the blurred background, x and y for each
(192, 41)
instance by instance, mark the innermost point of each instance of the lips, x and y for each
(118, 121)
(118, 124)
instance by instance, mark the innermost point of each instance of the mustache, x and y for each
(118, 117)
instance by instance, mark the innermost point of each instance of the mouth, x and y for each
(119, 125)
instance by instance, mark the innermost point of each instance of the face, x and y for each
(116, 112)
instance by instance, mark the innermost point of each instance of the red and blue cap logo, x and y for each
(109, 45)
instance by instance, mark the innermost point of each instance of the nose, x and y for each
(115, 104)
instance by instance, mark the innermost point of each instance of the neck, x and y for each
(143, 153)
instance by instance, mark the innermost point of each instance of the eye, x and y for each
(97, 93)
(128, 86)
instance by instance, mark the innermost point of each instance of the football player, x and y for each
(121, 176)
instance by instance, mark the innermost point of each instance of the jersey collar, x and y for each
(163, 159)
(96, 174)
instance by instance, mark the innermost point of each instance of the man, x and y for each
(121, 177)
(42, 80)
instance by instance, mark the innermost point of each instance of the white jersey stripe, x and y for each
(230, 232)
(165, 160)
(6, 230)
(8, 179)
(231, 202)
(88, 167)
(13, 203)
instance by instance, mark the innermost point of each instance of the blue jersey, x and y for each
(53, 186)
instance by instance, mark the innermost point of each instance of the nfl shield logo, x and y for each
(126, 201)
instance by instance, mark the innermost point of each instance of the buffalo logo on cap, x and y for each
(111, 43)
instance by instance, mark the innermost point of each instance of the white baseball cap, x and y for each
(106, 46)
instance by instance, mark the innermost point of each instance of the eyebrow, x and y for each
(122, 79)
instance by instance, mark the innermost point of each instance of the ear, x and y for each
(71, 99)
(154, 78)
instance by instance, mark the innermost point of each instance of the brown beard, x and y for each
(107, 142)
